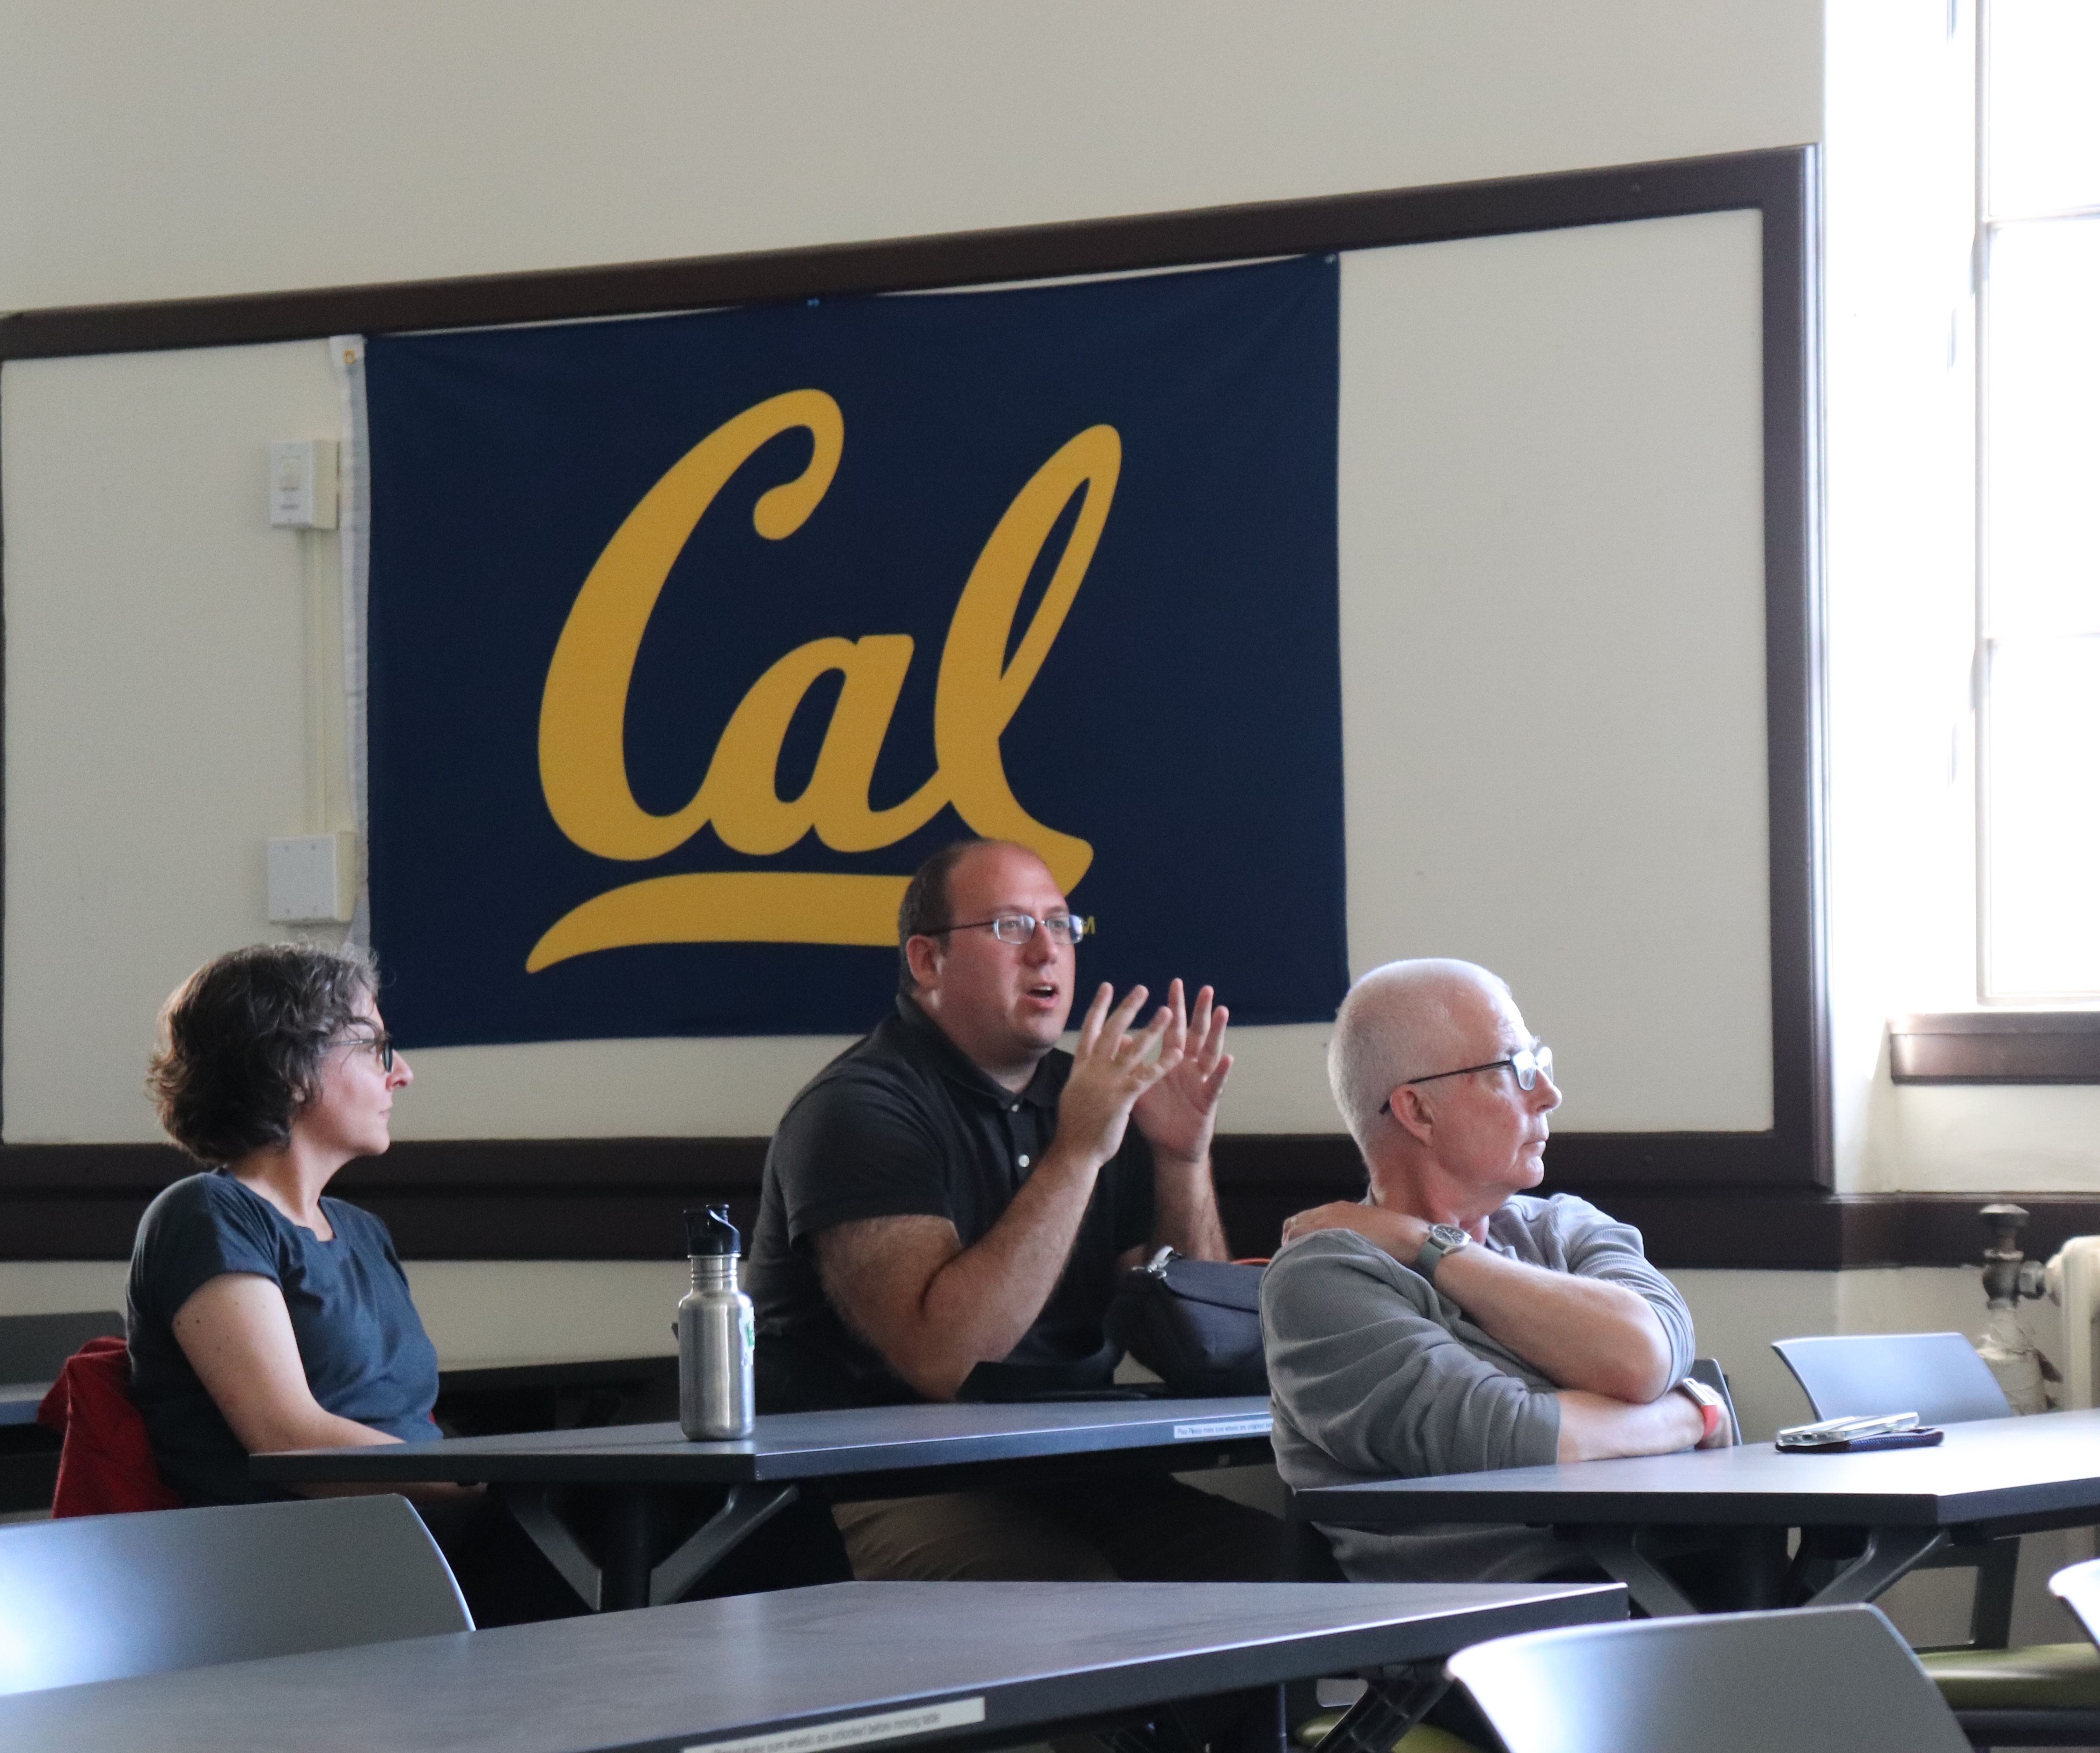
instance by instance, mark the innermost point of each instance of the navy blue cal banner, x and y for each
(690, 636)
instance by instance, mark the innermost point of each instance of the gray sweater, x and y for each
(1374, 1375)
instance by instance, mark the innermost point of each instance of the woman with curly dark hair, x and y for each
(261, 1314)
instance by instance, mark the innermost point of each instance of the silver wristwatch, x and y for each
(1443, 1239)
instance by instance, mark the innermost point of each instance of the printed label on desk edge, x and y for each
(1222, 1427)
(853, 1731)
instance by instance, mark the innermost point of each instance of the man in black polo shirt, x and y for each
(948, 1206)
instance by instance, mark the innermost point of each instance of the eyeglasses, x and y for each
(1018, 927)
(1529, 1063)
(382, 1044)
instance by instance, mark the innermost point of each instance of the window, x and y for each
(2038, 407)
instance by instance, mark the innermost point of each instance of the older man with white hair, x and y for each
(1451, 1322)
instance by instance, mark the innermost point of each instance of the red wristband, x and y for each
(1708, 1402)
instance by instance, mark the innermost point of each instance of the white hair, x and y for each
(1397, 1023)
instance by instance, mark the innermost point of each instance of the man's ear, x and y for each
(1413, 1112)
(922, 955)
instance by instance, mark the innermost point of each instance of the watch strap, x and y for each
(1708, 1402)
(1434, 1247)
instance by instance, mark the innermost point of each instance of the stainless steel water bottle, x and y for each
(715, 1334)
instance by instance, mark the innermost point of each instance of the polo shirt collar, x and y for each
(958, 1067)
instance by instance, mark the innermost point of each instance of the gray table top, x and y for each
(18, 1401)
(790, 1445)
(2038, 1470)
(960, 1658)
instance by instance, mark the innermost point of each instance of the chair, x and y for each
(1817, 1679)
(103, 1597)
(33, 1348)
(1937, 1376)
(105, 1462)
(2039, 1695)
(1940, 1377)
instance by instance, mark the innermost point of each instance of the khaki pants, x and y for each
(1133, 1530)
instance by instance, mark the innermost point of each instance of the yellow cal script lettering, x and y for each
(583, 761)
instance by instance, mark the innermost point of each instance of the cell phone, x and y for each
(1890, 1431)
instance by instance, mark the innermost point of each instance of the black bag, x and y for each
(1195, 1324)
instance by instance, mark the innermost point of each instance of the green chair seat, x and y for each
(1423, 1737)
(2036, 1677)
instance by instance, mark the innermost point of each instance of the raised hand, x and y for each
(1178, 1114)
(1112, 1069)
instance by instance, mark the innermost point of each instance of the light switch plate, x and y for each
(302, 484)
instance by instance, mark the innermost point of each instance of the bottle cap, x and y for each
(709, 1231)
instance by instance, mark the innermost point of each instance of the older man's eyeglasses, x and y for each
(381, 1045)
(1527, 1064)
(1018, 927)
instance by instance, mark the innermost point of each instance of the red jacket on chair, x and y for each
(106, 1467)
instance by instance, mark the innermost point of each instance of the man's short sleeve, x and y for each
(1570, 1235)
(200, 1229)
(856, 1146)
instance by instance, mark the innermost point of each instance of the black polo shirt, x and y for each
(902, 1124)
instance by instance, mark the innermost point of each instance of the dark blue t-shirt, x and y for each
(366, 1354)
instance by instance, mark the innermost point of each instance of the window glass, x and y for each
(2044, 147)
(2038, 404)
(2043, 819)
(2042, 500)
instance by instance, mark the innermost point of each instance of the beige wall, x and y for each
(228, 146)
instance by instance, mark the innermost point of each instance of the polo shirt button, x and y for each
(1023, 1162)
(1015, 1109)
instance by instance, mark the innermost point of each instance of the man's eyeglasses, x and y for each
(1018, 927)
(1528, 1064)
(382, 1044)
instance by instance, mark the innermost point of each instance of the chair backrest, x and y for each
(1816, 1679)
(1937, 1376)
(2078, 1587)
(106, 1466)
(101, 1597)
(32, 1347)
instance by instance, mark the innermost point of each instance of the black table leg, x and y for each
(630, 1548)
(1390, 1706)
(1889, 1553)
(1753, 1563)
(1617, 1551)
(634, 1525)
(746, 1510)
(532, 1508)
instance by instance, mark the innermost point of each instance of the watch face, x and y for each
(1448, 1236)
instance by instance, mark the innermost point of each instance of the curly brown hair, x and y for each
(241, 1042)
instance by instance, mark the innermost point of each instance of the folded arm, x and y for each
(237, 1334)
(1583, 1333)
(936, 1309)
(1594, 1427)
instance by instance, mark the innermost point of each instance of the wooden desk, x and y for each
(972, 1664)
(637, 1473)
(1998, 1476)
